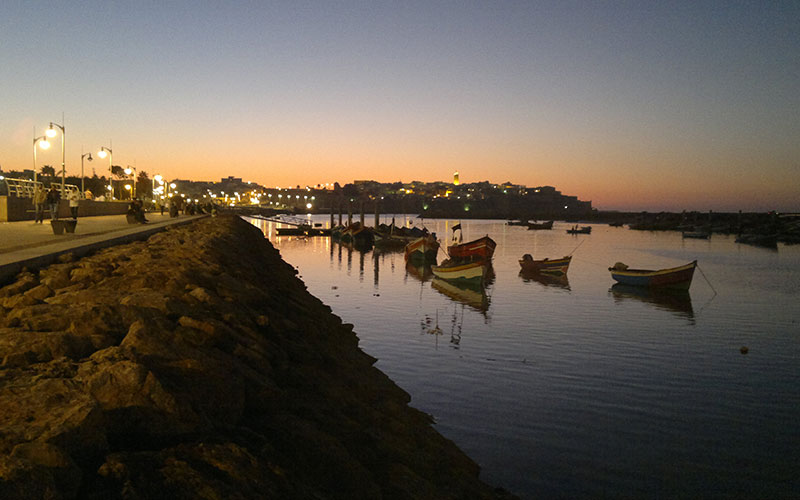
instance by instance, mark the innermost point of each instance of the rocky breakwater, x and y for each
(196, 365)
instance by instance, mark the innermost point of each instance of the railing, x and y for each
(23, 188)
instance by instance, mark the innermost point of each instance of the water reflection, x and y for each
(421, 272)
(678, 302)
(473, 296)
(547, 280)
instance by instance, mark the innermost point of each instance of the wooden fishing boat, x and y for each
(470, 272)
(555, 266)
(480, 249)
(540, 225)
(675, 277)
(763, 240)
(579, 230)
(698, 235)
(616, 224)
(422, 249)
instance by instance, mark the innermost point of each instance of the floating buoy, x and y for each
(743, 349)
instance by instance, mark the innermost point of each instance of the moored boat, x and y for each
(540, 225)
(675, 277)
(422, 249)
(698, 235)
(555, 266)
(469, 272)
(475, 250)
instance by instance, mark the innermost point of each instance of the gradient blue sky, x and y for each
(633, 105)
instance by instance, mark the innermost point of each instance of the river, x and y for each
(572, 389)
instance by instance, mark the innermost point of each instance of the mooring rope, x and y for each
(707, 280)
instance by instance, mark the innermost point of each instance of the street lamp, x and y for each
(83, 187)
(128, 171)
(42, 140)
(51, 132)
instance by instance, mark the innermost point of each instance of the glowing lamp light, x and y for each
(172, 186)
(128, 187)
(51, 132)
(128, 171)
(102, 153)
(158, 177)
(308, 205)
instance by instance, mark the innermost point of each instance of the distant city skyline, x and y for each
(668, 106)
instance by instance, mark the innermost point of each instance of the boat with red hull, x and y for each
(480, 249)
(675, 277)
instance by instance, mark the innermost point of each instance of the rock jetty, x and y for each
(196, 365)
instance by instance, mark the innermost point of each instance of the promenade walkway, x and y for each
(25, 244)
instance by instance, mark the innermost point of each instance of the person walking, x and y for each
(53, 199)
(39, 198)
(74, 201)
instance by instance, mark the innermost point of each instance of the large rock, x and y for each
(196, 365)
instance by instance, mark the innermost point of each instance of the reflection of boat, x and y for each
(422, 272)
(675, 277)
(540, 225)
(480, 249)
(422, 249)
(580, 230)
(548, 280)
(474, 272)
(616, 224)
(762, 240)
(555, 266)
(472, 295)
(676, 301)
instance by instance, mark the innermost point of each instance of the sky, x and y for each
(666, 105)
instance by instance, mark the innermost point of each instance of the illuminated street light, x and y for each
(128, 171)
(51, 132)
(42, 140)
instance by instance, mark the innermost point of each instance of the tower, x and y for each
(455, 179)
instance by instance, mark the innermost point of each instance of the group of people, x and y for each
(52, 198)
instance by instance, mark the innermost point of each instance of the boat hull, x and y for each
(422, 249)
(472, 272)
(679, 278)
(555, 266)
(480, 249)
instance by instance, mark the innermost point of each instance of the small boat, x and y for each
(616, 224)
(422, 249)
(468, 272)
(476, 250)
(540, 225)
(555, 266)
(519, 222)
(762, 240)
(580, 230)
(675, 277)
(698, 235)
(291, 231)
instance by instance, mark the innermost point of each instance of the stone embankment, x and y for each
(196, 365)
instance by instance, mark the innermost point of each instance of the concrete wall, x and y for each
(14, 209)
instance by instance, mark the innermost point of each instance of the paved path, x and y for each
(25, 244)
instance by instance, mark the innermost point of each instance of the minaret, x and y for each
(455, 179)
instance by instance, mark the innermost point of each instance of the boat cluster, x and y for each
(470, 263)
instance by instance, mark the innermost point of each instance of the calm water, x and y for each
(571, 389)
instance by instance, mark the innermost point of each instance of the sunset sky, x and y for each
(632, 105)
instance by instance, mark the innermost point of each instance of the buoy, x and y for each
(743, 349)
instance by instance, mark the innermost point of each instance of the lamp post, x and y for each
(42, 140)
(83, 189)
(51, 132)
(128, 171)
(104, 151)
